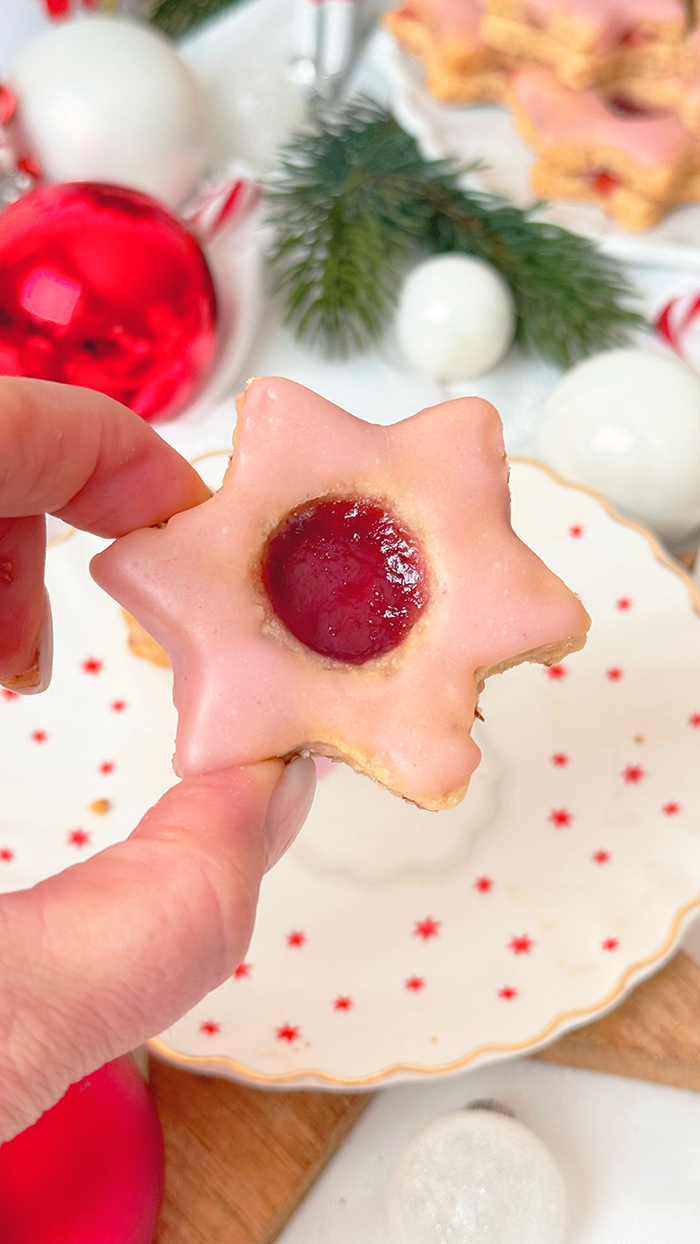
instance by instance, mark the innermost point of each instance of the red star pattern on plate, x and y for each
(671, 808)
(78, 838)
(611, 943)
(694, 720)
(561, 818)
(6, 854)
(633, 774)
(614, 674)
(484, 884)
(287, 1032)
(427, 928)
(576, 531)
(243, 970)
(107, 766)
(92, 666)
(210, 1026)
(556, 672)
(601, 857)
(39, 736)
(508, 992)
(415, 983)
(521, 945)
(442, 475)
(118, 706)
(624, 603)
(296, 938)
(343, 1003)
(559, 759)
(9, 695)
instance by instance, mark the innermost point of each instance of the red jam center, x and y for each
(346, 578)
(623, 106)
(603, 183)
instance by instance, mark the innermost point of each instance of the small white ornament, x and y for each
(455, 318)
(627, 423)
(477, 1176)
(105, 99)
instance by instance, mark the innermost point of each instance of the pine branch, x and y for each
(353, 199)
(175, 17)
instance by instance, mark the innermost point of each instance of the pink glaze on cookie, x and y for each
(612, 22)
(560, 116)
(461, 18)
(247, 689)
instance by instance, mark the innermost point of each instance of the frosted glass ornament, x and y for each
(455, 318)
(627, 423)
(105, 99)
(474, 1177)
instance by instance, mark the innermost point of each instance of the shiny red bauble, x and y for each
(90, 1170)
(102, 287)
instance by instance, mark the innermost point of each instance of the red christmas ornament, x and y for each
(90, 1170)
(102, 287)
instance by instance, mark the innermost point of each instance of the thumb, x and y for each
(100, 957)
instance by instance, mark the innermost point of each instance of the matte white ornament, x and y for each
(106, 99)
(627, 423)
(477, 1177)
(455, 318)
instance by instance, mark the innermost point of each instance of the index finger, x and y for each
(80, 455)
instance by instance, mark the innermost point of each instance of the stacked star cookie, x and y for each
(606, 91)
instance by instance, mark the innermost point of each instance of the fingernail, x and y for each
(38, 675)
(289, 807)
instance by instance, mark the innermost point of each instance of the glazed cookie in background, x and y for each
(679, 92)
(590, 149)
(346, 592)
(444, 35)
(142, 644)
(589, 41)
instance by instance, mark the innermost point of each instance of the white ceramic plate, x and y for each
(486, 133)
(581, 883)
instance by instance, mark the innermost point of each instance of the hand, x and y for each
(100, 957)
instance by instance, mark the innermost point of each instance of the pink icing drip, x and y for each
(244, 690)
(610, 20)
(562, 116)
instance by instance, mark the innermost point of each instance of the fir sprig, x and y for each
(352, 199)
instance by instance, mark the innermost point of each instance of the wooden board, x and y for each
(239, 1160)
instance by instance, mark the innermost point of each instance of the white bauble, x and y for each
(473, 1177)
(105, 99)
(627, 423)
(455, 318)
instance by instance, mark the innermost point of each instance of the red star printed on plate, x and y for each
(427, 928)
(561, 818)
(601, 857)
(508, 992)
(304, 472)
(559, 759)
(484, 884)
(39, 736)
(118, 706)
(92, 666)
(287, 1032)
(576, 531)
(296, 938)
(9, 695)
(415, 983)
(343, 1003)
(633, 774)
(78, 838)
(614, 674)
(6, 854)
(106, 767)
(521, 945)
(611, 943)
(243, 970)
(210, 1026)
(672, 808)
(556, 672)
(624, 603)
(694, 720)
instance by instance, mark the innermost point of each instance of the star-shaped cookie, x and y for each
(389, 554)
